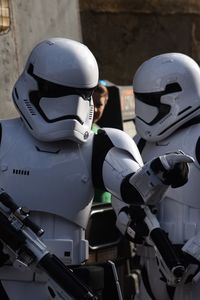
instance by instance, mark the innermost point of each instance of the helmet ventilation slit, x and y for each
(29, 107)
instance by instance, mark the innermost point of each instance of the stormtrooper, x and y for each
(167, 103)
(50, 161)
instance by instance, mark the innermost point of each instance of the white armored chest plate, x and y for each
(179, 211)
(48, 177)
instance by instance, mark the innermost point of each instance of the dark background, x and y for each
(124, 33)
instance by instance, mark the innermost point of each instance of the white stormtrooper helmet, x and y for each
(167, 94)
(54, 93)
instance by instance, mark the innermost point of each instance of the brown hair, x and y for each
(101, 89)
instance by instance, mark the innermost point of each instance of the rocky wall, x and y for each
(124, 33)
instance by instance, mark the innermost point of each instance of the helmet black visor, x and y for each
(154, 99)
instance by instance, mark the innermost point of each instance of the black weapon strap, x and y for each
(171, 291)
(146, 282)
(3, 294)
(3, 258)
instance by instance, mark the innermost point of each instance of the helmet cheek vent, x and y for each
(29, 107)
(91, 113)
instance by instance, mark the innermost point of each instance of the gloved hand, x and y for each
(137, 225)
(151, 181)
(130, 222)
(172, 168)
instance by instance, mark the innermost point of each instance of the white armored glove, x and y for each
(154, 178)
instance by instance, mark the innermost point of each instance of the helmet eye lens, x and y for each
(52, 90)
(49, 89)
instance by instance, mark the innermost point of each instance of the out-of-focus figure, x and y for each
(100, 97)
(167, 93)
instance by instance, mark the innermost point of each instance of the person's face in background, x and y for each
(100, 99)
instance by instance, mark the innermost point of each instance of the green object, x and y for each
(100, 196)
(95, 128)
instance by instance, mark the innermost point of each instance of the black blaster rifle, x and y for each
(169, 262)
(20, 237)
